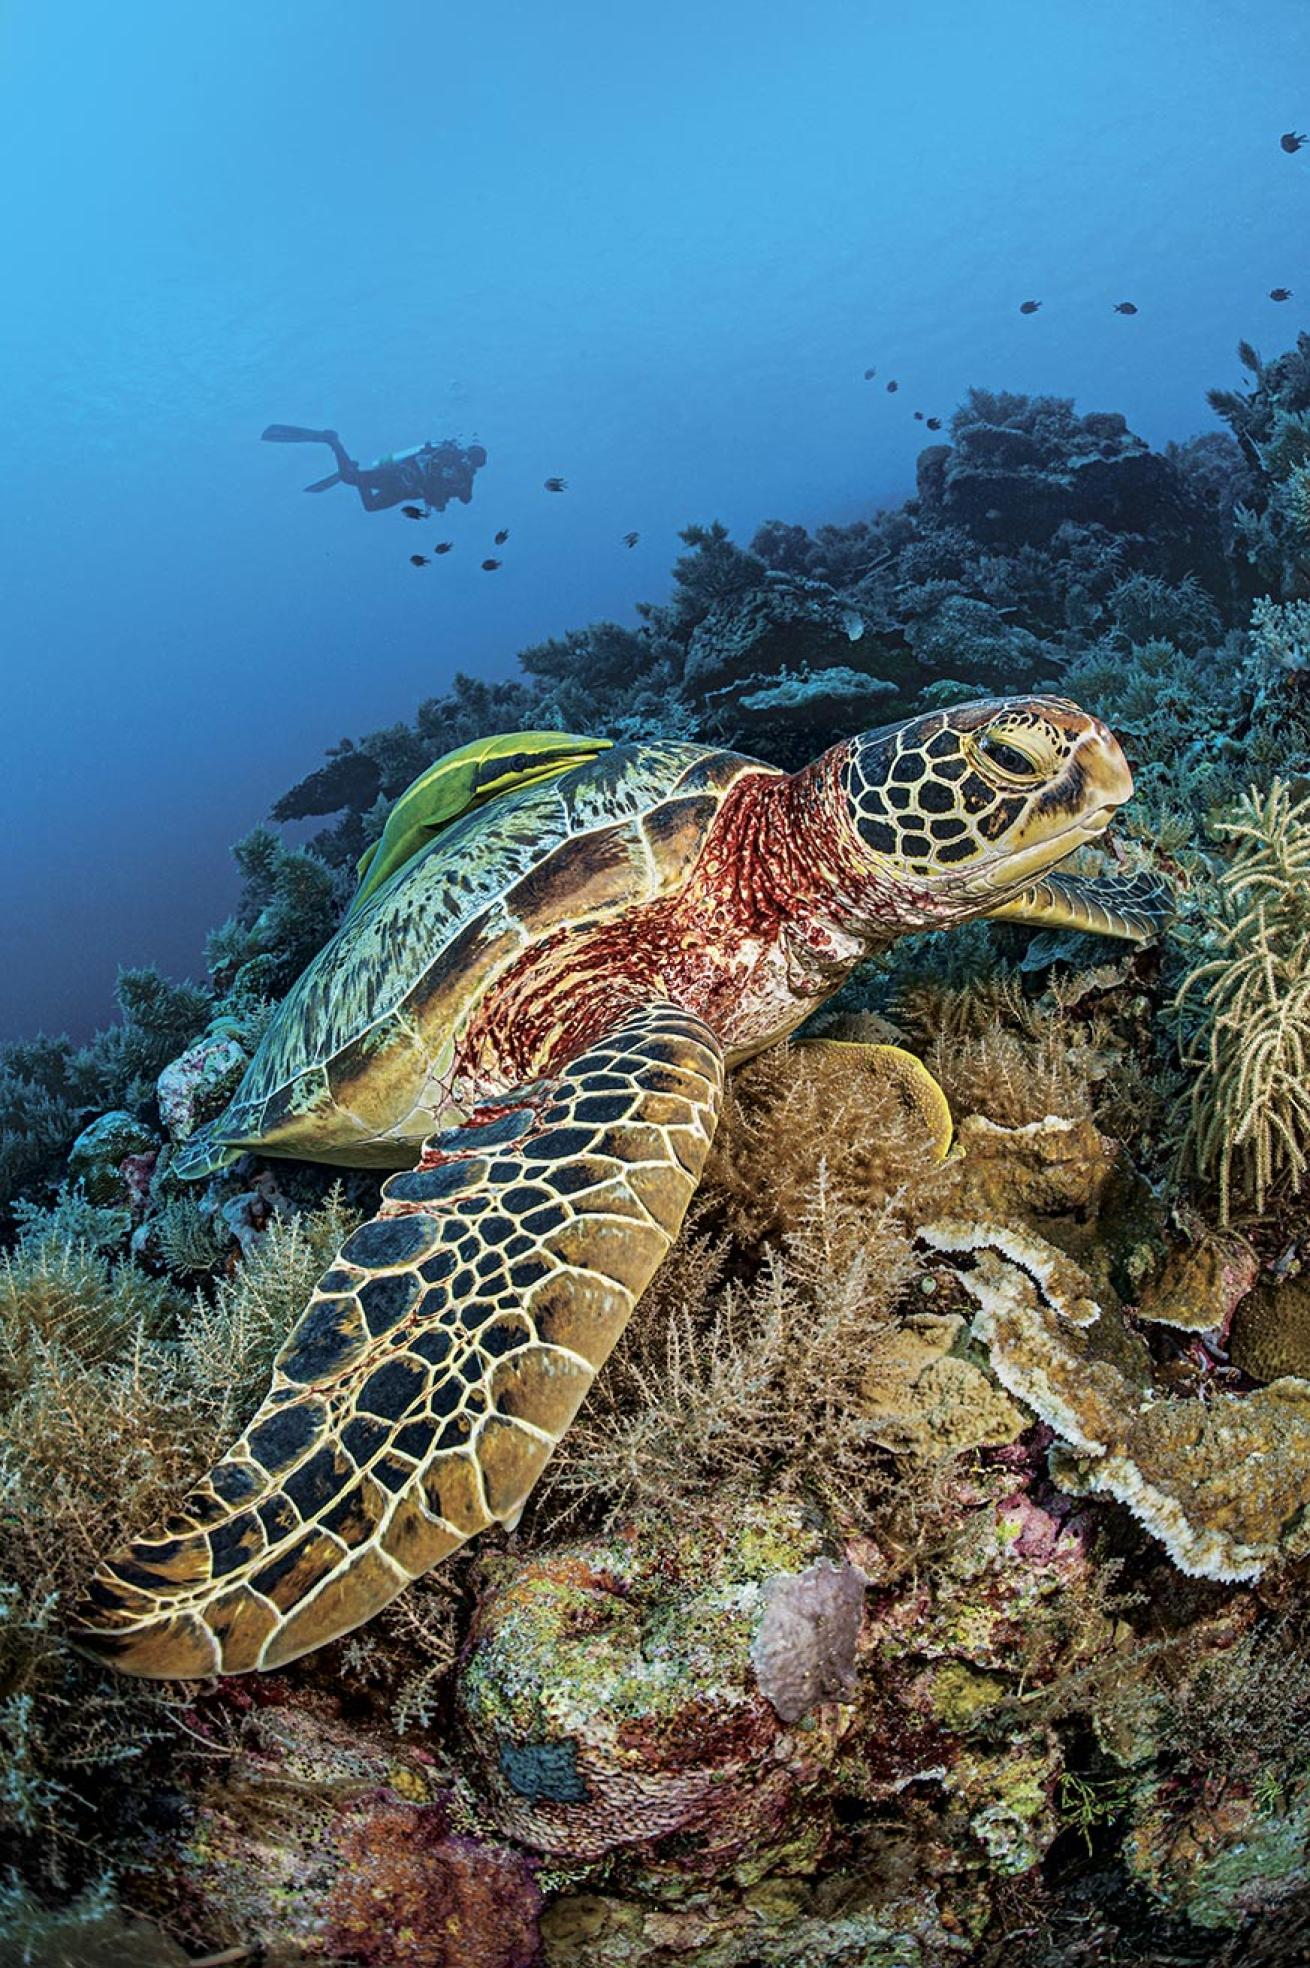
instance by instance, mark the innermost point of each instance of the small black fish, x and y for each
(1125, 307)
(892, 388)
(1291, 142)
(556, 484)
(490, 566)
(443, 546)
(1029, 307)
(1280, 293)
(418, 560)
(502, 536)
(631, 539)
(869, 375)
(934, 423)
(918, 416)
(412, 512)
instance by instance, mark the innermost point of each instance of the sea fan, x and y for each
(1249, 1112)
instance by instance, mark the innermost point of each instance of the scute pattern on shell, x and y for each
(363, 993)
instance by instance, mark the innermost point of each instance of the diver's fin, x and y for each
(294, 434)
(324, 484)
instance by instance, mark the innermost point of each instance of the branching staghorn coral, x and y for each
(1248, 1121)
(1280, 630)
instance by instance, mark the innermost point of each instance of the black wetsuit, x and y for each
(433, 475)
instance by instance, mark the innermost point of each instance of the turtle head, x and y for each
(959, 810)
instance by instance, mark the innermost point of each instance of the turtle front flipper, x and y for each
(1134, 907)
(436, 1366)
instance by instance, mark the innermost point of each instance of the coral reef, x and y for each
(924, 1580)
(610, 1693)
(1018, 468)
(114, 1390)
(50, 1090)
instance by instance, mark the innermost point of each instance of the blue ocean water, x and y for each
(651, 250)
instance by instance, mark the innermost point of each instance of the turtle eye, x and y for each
(1007, 758)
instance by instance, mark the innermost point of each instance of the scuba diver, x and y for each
(433, 473)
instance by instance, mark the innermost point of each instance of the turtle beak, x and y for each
(1101, 757)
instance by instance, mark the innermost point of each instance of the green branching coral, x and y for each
(1248, 1121)
(1145, 608)
(714, 570)
(1272, 425)
(1280, 634)
(186, 1238)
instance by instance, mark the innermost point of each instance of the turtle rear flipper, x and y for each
(436, 1366)
(204, 1152)
(1134, 907)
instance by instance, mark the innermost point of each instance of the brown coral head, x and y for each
(965, 807)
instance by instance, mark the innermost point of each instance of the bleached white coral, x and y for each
(1224, 1484)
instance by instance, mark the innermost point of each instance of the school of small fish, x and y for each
(1290, 141)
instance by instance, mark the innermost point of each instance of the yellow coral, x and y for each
(1271, 1331)
(921, 1398)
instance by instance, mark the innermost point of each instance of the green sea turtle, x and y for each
(532, 1015)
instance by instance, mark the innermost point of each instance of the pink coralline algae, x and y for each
(197, 1084)
(410, 1893)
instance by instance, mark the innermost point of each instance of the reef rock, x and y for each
(248, 1215)
(787, 623)
(779, 662)
(1224, 1483)
(1200, 1285)
(922, 1397)
(1020, 467)
(331, 1841)
(610, 1694)
(962, 637)
(198, 1085)
(111, 1160)
(1219, 1860)
(829, 699)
